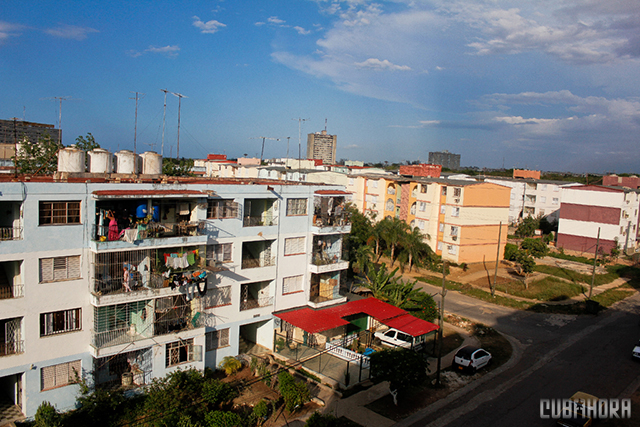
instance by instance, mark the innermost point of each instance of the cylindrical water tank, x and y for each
(126, 162)
(71, 159)
(151, 163)
(100, 161)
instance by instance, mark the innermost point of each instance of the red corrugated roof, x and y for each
(148, 193)
(323, 319)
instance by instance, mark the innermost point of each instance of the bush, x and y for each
(510, 252)
(223, 419)
(295, 394)
(230, 364)
(535, 247)
(47, 416)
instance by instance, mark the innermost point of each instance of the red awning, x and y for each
(323, 319)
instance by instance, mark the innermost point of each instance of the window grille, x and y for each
(454, 230)
(423, 188)
(60, 375)
(457, 192)
(423, 206)
(219, 209)
(294, 246)
(296, 207)
(443, 209)
(59, 322)
(59, 268)
(455, 211)
(53, 213)
(218, 297)
(219, 253)
(217, 339)
(390, 205)
(179, 352)
(444, 191)
(292, 284)
(413, 209)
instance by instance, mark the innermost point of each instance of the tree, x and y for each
(416, 301)
(230, 365)
(403, 368)
(528, 227)
(294, 393)
(377, 280)
(615, 250)
(393, 233)
(87, 144)
(414, 250)
(526, 262)
(37, 158)
(535, 247)
(175, 167)
(510, 252)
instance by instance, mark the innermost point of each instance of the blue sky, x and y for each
(551, 85)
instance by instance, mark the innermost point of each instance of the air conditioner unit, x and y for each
(456, 200)
(454, 238)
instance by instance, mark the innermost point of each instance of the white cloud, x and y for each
(71, 32)
(381, 65)
(430, 122)
(8, 30)
(169, 51)
(209, 27)
(275, 20)
(301, 30)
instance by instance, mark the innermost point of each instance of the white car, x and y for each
(471, 358)
(636, 351)
(395, 338)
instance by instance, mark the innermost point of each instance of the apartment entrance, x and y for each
(256, 338)
(11, 398)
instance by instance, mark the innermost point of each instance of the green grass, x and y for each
(563, 273)
(611, 296)
(547, 289)
(571, 258)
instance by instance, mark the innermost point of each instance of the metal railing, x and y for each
(327, 257)
(256, 263)
(11, 233)
(12, 291)
(256, 303)
(262, 220)
(153, 230)
(11, 347)
(326, 220)
(114, 285)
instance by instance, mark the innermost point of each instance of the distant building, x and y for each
(321, 145)
(621, 181)
(432, 171)
(15, 131)
(524, 173)
(446, 159)
(353, 163)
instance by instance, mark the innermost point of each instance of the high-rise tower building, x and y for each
(322, 146)
(446, 159)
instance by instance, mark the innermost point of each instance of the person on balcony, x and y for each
(114, 233)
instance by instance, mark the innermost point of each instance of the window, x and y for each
(352, 182)
(422, 207)
(391, 189)
(60, 375)
(413, 209)
(543, 187)
(219, 253)
(454, 230)
(457, 192)
(441, 228)
(452, 249)
(59, 213)
(556, 188)
(555, 201)
(292, 284)
(180, 352)
(421, 224)
(294, 246)
(455, 211)
(543, 199)
(373, 184)
(390, 205)
(218, 209)
(444, 191)
(60, 268)
(443, 209)
(439, 246)
(59, 322)
(296, 207)
(423, 188)
(216, 339)
(218, 297)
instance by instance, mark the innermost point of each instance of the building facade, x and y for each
(321, 145)
(124, 280)
(589, 209)
(445, 159)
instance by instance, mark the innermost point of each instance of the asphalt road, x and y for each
(556, 355)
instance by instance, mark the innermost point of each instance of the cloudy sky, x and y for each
(551, 85)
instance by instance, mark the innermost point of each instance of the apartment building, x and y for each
(122, 279)
(321, 145)
(460, 220)
(587, 209)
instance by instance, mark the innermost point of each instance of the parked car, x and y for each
(395, 338)
(470, 358)
(578, 417)
(636, 351)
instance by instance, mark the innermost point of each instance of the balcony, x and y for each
(329, 214)
(11, 337)
(15, 290)
(260, 213)
(11, 284)
(258, 254)
(325, 290)
(259, 221)
(327, 254)
(114, 371)
(11, 347)
(10, 221)
(256, 295)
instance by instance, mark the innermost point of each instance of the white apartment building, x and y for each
(184, 274)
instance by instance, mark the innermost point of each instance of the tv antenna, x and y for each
(164, 115)
(263, 138)
(300, 120)
(180, 96)
(59, 99)
(135, 126)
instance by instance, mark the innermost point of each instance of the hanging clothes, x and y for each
(130, 235)
(114, 234)
(144, 268)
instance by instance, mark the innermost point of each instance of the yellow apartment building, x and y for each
(460, 219)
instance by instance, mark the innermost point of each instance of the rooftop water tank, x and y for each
(71, 159)
(100, 161)
(126, 162)
(151, 163)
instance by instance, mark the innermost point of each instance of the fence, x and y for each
(12, 291)
(154, 230)
(11, 347)
(10, 233)
(256, 303)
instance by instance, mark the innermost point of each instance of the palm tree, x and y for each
(393, 234)
(414, 250)
(379, 280)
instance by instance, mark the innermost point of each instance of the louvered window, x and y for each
(294, 246)
(60, 268)
(219, 209)
(218, 297)
(292, 284)
(219, 253)
(296, 207)
(217, 339)
(60, 375)
(57, 213)
(59, 322)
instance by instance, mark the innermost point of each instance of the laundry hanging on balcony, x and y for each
(180, 260)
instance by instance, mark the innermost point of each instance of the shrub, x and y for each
(230, 364)
(223, 419)
(47, 416)
(294, 393)
(510, 252)
(536, 247)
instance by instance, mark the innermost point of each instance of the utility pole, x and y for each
(300, 120)
(164, 115)
(180, 96)
(595, 259)
(135, 126)
(263, 138)
(495, 276)
(441, 319)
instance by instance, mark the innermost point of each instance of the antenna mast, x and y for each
(300, 120)
(180, 96)
(135, 126)
(263, 138)
(164, 115)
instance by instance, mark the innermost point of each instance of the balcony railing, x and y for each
(327, 257)
(128, 335)
(327, 220)
(153, 230)
(11, 347)
(10, 233)
(256, 303)
(114, 284)
(256, 263)
(12, 291)
(256, 221)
